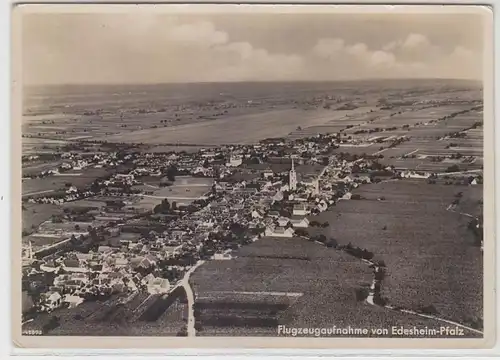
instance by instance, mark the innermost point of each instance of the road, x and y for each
(191, 331)
(38, 192)
(174, 197)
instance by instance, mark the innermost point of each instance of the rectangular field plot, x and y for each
(429, 251)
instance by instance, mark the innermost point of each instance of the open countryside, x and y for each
(228, 211)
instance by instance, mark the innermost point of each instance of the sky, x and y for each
(146, 48)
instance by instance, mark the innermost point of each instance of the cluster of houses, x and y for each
(269, 202)
(209, 232)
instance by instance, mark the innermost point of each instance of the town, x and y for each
(115, 236)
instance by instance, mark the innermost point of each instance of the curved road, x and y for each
(191, 331)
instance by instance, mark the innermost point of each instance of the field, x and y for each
(240, 129)
(184, 191)
(428, 250)
(425, 143)
(52, 183)
(245, 295)
(35, 214)
(140, 315)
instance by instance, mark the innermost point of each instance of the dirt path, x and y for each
(370, 299)
(191, 331)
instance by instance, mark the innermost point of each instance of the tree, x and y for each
(331, 242)
(429, 309)
(361, 294)
(301, 232)
(321, 238)
(171, 172)
(453, 168)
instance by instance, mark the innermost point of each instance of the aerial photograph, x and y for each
(252, 174)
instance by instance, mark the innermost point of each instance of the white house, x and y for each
(52, 301)
(322, 206)
(222, 256)
(49, 267)
(347, 196)
(300, 223)
(235, 161)
(256, 215)
(301, 209)
(73, 300)
(268, 173)
(283, 221)
(278, 196)
(415, 175)
(158, 285)
(72, 189)
(279, 232)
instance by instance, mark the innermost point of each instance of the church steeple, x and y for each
(293, 177)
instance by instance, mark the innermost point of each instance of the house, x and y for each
(222, 256)
(60, 280)
(415, 174)
(83, 278)
(301, 209)
(49, 266)
(157, 285)
(72, 300)
(82, 257)
(347, 196)
(283, 221)
(256, 214)
(278, 196)
(72, 189)
(274, 214)
(322, 206)
(300, 223)
(279, 232)
(235, 161)
(121, 262)
(104, 250)
(268, 173)
(74, 265)
(52, 301)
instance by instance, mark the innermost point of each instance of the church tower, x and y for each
(293, 178)
(316, 187)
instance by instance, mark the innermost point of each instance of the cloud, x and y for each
(200, 33)
(416, 41)
(143, 48)
(245, 62)
(326, 48)
(411, 56)
(359, 49)
(227, 60)
(381, 58)
(390, 46)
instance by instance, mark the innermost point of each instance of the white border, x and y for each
(5, 143)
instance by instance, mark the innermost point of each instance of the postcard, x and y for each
(253, 176)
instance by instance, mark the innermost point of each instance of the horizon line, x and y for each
(250, 82)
